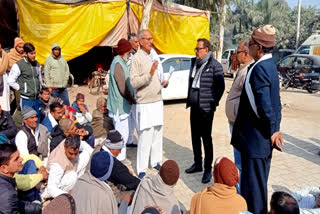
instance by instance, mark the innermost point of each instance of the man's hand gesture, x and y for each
(276, 140)
(154, 68)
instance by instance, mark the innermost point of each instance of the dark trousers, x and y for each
(201, 127)
(33, 194)
(254, 179)
(63, 94)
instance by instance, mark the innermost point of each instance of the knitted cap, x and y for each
(114, 140)
(55, 46)
(169, 172)
(265, 36)
(150, 210)
(123, 47)
(225, 172)
(79, 96)
(27, 112)
(62, 204)
(101, 165)
(18, 41)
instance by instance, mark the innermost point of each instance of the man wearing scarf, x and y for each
(92, 194)
(222, 196)
(15, 54)
(4, 87)
(206, 86)
(158, 190)
(257, 127)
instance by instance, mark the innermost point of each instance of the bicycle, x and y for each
(99, 82)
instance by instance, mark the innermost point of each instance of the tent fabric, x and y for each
(79, 27)
(76, 28)
(175, 30)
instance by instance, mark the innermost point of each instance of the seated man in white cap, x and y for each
(120, 180)
(33, 137)
(66, 164)
(92, 194)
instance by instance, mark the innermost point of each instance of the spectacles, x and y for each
(198, 49)
(148, 39)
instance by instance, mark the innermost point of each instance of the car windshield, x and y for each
(174, 62)
(225, 55)
(287, 62)
(303, 50)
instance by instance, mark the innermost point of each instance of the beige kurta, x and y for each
(152, 191)
(93, 196)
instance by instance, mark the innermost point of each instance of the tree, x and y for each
(147, 5)
(248, 14)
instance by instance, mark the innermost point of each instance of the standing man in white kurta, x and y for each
(149, 108)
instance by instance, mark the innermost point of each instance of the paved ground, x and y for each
(298, 166)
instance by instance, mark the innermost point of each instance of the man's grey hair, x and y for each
(141, 34)
(246, 45)
(131, 36)
(65, 124)
(72, 141)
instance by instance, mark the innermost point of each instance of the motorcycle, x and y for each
(305, 81)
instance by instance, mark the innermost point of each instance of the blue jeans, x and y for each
(237, 161)
(63, 94)
(33, 194)
(35, 104)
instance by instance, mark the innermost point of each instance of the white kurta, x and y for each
(5, 98)
(59, 181)
(149, 122)
(121, 124)
(149, 118)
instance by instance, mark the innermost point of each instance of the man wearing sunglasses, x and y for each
(206, 86)
(257, 127)
(232, 104)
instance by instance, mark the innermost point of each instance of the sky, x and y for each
(315, 3)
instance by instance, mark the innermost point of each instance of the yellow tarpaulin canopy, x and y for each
(173, 33)
(79, 27)
(76, 28)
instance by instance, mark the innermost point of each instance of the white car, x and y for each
(178, 83)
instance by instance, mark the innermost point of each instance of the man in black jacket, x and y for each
(11, 163)
(7, 126)
(206, 87)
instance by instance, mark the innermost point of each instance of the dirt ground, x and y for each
(298, 166)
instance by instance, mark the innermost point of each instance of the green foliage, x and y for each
(245, 15)
(249, 14)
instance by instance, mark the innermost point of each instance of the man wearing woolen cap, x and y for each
(56, 73)
(120, 94)
(256, 131)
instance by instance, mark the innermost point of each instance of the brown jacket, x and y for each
(233, 99)
(217, 199)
